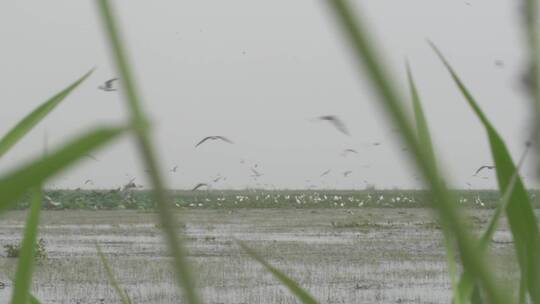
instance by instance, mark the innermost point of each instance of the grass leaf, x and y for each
(424, 139)
(466, 283)
(139, 121)
(452, 220)
(25, 263)
(300, 293)
(15, 183)
(29, 121)
(124, 298)
(521, 218)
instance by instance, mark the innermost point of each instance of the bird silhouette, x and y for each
(92, 157)
(88, 181)
(130, 185)
(347, 173)
(325, 173)
(108, 85)
(223, 138)
(199, 185)
(256, 173)
(482, 168)
(173, 170)
(348, 151)
(336, 122)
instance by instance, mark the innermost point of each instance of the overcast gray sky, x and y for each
(258, 72)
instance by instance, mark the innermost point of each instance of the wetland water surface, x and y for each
(341, 256)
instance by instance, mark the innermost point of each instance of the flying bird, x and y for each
(199, 185)
(173, 170)
(92, 157)
(88, 181)
(347, 151)
(347, 173)
(223, 138)
(108, 85)
(336, 122)
(482, 168)
(130, 185)
(325, 173)
(217, 179)
(256, 173)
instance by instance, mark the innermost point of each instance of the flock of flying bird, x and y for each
(336, 122)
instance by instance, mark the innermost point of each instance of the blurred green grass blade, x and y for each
(300, 293)
(521, 218)
(17, 182)
(124, 298)
(424, 139)
(25, 262)
(33, 300)
(139, 121)
(466, 283)
(29, 121)
(451, 219)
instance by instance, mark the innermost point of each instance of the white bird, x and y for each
(336, 122)
(223, 138)
(108, 85)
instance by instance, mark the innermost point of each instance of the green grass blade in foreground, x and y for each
(300, 293)
(25, 263)
(15, 183)
(446, 207)
(33, 300)
(29, 121)
(124, 298)
(139, 121)
(521, 218)
(424, 139)
(466, 284)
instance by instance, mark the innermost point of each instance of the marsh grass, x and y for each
(477, 275)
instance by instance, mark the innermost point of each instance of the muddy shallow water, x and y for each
(340, 256)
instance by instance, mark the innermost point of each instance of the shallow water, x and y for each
(363, 256)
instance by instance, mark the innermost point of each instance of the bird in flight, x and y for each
(88, 181)
(217, 179)
(108, 85)
(336, 122)
(92, 157)
(256, 173)
(482, 168)
(199, 185)
(348, 151)
(130, 185)
(347, 173)
(173, 170)
(325, 173)
(223, 138)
